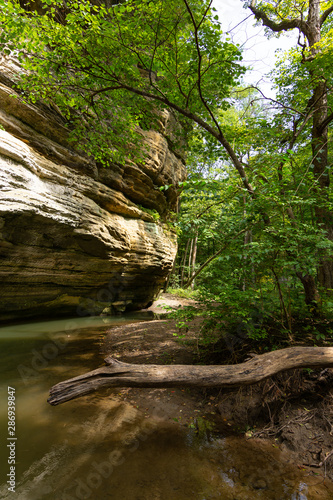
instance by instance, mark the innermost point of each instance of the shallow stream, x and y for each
(99, 447)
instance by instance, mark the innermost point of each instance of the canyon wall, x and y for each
(76, 238)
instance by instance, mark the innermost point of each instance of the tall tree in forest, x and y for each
(309, 18)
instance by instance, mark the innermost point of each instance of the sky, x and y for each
(259, 51)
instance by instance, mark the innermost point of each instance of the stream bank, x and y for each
(291, 412)
(128, 444)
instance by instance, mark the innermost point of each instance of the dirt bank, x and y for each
(293, 410)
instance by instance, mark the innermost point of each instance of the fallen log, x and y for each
(119, 374)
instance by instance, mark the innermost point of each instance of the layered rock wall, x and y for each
(75, 238)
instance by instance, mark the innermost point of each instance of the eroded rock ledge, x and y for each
(74, 238)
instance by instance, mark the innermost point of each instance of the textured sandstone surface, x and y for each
(75, 238)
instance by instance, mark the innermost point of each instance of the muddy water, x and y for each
(100, 448)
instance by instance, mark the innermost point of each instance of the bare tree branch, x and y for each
(196, 29)
(119, 374)
(197, 119)
(325, 15)
(285, 25)
(326, 122)
(275, 101)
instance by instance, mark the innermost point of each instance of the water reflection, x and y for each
(101, 448)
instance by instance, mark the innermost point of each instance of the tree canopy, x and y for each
(256, 212)
(115, 65)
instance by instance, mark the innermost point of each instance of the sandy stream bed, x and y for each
(290, 412)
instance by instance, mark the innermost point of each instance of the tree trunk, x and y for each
(282, 303)
(320, 162)
(209, 260)
(311, 29)
(183, 263)
(312, 297)
(194, 257)
(319, 144)
(119, 374)
(190, 260)
(325, 273)
(247, 240)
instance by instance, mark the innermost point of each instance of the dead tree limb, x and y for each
(119, 374)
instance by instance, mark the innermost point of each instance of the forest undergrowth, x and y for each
(232, 332)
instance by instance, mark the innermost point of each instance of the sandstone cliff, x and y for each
(75, 238)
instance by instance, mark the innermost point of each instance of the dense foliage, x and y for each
(255, 226)
(260, 269)
(109, 69)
